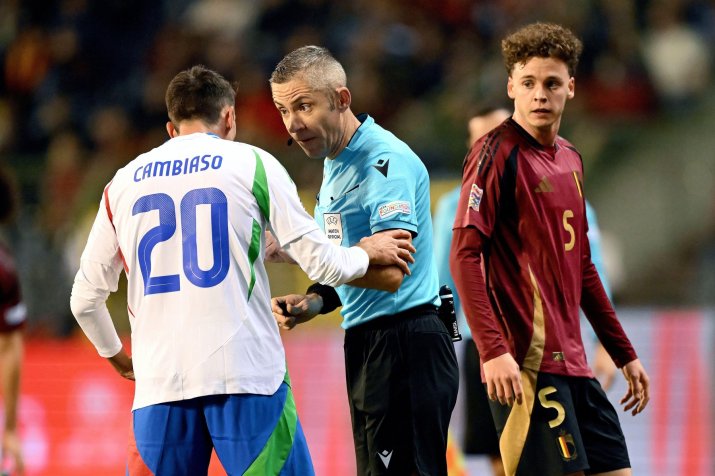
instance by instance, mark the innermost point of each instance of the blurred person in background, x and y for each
(522, 211)
(479, 433)
(12, 320)
(186, 221)
(400, 364)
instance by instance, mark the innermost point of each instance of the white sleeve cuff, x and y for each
(326, 262)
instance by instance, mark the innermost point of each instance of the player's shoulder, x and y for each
(567, 145)
(494, 148)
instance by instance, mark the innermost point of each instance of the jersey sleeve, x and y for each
(98, 276)
(298, 233)
(481, 181)
(279, 202)
(390, 194)
(12, 310)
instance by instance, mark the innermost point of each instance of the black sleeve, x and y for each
(331, 300)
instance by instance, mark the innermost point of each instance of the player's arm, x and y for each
(97, 277)
(600, 313)
(11, 349)
(501, 372)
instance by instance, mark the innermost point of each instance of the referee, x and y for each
(401, 369)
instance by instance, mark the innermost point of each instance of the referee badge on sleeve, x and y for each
(333, 227)
(475, 197)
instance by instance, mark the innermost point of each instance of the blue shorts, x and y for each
(252, 435)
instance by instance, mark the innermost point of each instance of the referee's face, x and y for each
(540, 88)
(310, 117)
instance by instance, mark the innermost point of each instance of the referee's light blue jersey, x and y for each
(378, 183)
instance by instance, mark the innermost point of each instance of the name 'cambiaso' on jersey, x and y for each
(198, 294)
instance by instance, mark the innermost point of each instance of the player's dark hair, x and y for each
(541, 40)
(198, 93)
(8, 197)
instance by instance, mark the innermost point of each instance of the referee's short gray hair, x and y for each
(315, 65)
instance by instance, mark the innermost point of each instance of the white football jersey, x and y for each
(186, 222)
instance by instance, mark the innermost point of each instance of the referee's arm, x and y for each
(383, 278)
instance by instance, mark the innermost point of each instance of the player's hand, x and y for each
(503, 378)
(11, 448)
(390, 247)
(295, 309)
(603, 367)
(274, 253)
(638, 393)
(122, 363)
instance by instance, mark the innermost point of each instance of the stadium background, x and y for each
(81, 93)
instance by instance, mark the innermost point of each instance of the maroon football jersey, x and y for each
(526, 201)
(12, 311)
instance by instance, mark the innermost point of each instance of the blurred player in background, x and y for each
(12, 320)
(522, 210)
(186, 221)
(401, 368)
(480, 434)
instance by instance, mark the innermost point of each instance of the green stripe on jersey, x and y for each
(274, 454)
(260, 188)
(254, 250)
(260, 191)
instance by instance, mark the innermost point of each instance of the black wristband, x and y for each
(331, 300)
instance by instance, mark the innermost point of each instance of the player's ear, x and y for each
(510, 88)
(572, 87)
(228, 118)
(171, 130)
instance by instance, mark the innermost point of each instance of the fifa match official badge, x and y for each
(333, 227)
(475, 197)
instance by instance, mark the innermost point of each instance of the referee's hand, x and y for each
(295, 309)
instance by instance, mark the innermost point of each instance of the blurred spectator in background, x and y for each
(677, 56)
(12, 320)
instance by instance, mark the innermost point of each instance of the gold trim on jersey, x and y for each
(513, 438)
(578, 183)
(535, 354)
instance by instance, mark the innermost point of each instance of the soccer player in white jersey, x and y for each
(186, 222)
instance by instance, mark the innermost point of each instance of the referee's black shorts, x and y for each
(402, 379)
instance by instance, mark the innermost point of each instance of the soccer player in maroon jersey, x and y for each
(522, 210)
(12, 321)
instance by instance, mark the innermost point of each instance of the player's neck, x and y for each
(545, 136)
(192, 127)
